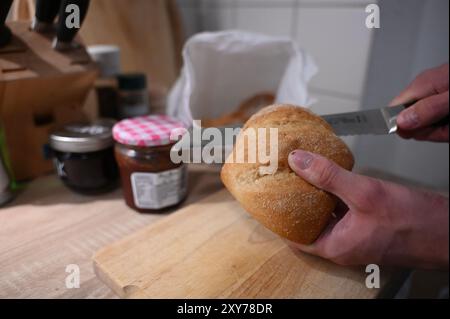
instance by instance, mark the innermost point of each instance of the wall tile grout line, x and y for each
(275, 4)
(334, 4)
(234, 12)
(213, 12)
(295, 20)
(332, 93)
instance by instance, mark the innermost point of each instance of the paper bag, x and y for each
(222, 69)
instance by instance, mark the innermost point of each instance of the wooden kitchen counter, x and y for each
(47, 227)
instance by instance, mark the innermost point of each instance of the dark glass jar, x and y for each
(151, 182)
(133, 95)
(107, 58)
(84, 157)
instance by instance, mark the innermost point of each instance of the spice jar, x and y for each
(107, 58)
(84, 157)
(133, 95)
(150, 180)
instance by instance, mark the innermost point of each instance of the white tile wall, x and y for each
(219, 18)
(328, 103)
(266, 3)
(333, 31)
(276, 21)
(192, 20)
(340, 43)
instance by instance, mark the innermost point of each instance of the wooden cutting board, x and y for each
(214, 249)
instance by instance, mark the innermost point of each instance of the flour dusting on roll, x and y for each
(281, 200)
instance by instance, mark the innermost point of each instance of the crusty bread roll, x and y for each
(282, 201)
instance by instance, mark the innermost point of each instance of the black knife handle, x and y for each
(5, 5)
(5, 33)
(46, 10)
(442, 122)
(63, 33)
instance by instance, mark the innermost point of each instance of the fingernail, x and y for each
(301, 159)
(408, 119)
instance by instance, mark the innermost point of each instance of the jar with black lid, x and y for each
(133, 95)
(84, 157)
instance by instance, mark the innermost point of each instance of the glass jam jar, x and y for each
(150, 180)
(84, 157)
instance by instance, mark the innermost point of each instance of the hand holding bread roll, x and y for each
(282, 201)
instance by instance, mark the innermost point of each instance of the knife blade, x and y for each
(376, 121)
(222, 139)
(381, 121)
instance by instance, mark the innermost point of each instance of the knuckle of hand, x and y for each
(442, 134)
(438, 201)
(440, 78)
(370, 196)
(327, 174)
(405, 135)
(421, 79)
(342, 259)
(426, 76)
(329, 253)
(432, 107)
(375, 191)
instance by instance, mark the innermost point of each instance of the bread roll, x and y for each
(282, 201)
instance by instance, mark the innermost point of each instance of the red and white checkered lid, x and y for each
(148, 130)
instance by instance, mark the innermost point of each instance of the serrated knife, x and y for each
(380, 121)
(375, 122)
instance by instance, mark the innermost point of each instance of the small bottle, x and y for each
(133, 95)
(107, 58)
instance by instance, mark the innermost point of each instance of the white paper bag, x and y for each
(222, 69)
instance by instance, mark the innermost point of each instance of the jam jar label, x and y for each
(159, 190)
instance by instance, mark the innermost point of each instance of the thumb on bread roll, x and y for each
(327, 175)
